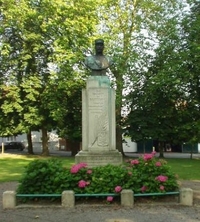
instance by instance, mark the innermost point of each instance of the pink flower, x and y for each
(153, 153)
(143, 189)
(82, 165)
(135, 162)
(162, 187)
(75, 168)
(89, 171)
(109, 199)
(148, 156)
(118, 189)
(158, 164)
(161, 178)
(82, 183)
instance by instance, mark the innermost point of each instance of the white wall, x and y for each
(36, 139)
(129, 146)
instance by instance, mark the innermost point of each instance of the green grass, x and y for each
(186, 169)
(13, 166)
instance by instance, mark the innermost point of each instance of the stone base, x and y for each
(94, 159)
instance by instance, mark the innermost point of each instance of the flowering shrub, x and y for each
(161, 178)
(109, 199)
(118, 189)
(146, 174)
(75, 168)
(158, 164)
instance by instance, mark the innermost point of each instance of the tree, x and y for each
(170, 90)
(131, 29)
(191, 66)
(37, 37)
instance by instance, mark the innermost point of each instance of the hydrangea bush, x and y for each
(147, 174)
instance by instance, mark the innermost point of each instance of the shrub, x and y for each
(145, 174)
(43, 176)
(151, 175)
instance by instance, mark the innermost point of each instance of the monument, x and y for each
(98, 114)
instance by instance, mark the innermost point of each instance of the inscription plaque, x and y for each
(98, 118)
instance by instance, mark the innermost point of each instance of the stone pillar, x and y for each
(68, 199)
(98, 124)
(127, 198)
(186, 197)
(9, 199)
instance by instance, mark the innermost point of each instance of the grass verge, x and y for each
(186, 169)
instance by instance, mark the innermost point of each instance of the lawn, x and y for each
(13, 166)
(186, 169)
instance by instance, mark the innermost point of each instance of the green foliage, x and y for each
(42, 176)
(163, 107)
(144, 171)
(139, 175)
(10, 173)
(41, 42)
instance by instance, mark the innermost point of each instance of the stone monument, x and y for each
(98, 114)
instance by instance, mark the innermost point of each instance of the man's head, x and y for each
(99, 46)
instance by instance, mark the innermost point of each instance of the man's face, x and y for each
(99, 46)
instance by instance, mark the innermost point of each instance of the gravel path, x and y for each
(155, 212)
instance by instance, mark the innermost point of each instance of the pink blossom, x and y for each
(161, 178)
(143, 189)
(109, 199)
(148, 156)
(118, 189)
(75, 168)
(89, 171)
(158, 164)
(82, 165)
(82, 183)
(162, 187)
(135, 162)
(153, 153)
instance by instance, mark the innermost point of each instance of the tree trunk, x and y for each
(30, 144)
(161, 149)
(45, 149)
(119, 146)
(191, 152)
(74, 147)
(144, 146)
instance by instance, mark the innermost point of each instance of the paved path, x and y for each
(154, 213)
(132, 155)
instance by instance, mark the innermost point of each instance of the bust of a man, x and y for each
(98, 63)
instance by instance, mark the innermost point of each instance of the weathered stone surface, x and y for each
(99, 159)
(9, 199)
(98, 124)
(127, 199)
(186, 197)
(68, 198)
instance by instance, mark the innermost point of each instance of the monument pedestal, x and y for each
(98, 124)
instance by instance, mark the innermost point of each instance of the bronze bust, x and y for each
(98, 63)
